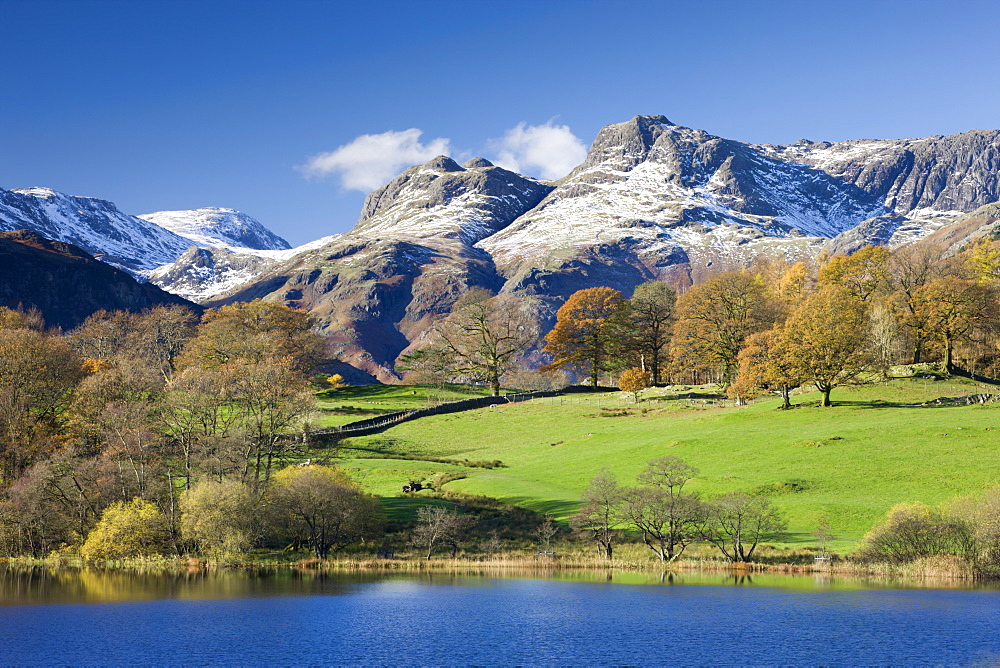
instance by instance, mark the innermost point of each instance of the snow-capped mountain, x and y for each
(215, 227)
(652, 200)
(666, 195)
(95, 225)
(441, 199)
(137, 244)
(202, 273)
(410, 256)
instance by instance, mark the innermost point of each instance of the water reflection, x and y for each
(44, 585)
(301, 617)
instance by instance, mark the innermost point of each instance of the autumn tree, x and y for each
(154, 337)
(651, 316)
(714, 319)
(160, 334)
(825, 340)
(103, 335)
(793, 283)
(737, 522)
(911, 268)
(983, 263)
(254, 331)
(860, 274)
(320, 507)
(910, 531)
(273, 403)
(600, 515)
(634, 381)
(134, 528)
(198, 411)
(953, 309)
(37, 373)
(587, 329)
(222, 518)
(32, 521)
(21, 319)
(484, 334)
(765, 365)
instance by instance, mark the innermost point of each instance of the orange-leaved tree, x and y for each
(861, 274)
(825, 340)
(587, 328)
(714, 318)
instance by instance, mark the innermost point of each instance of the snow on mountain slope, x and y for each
(95, 225)
(218, 228)
(201, 274)
(943, 173)
(665, 191)
(441, 199)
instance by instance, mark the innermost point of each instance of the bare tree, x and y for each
(545, 532)
(667, 517)
(440, 526)
(484, 335)
(601, 515)
(737, 522)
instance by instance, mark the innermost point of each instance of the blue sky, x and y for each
(178, 105)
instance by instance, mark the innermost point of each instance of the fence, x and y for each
(376, 424)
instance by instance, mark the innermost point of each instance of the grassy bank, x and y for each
(878, 446)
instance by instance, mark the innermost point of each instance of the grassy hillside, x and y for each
(878, 446)
(347, 404)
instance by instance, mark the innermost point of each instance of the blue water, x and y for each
(463, 621)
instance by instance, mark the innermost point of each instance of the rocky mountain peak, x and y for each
(444, 163)
(476, 163)
(440, 198)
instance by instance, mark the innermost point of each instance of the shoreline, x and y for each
(933, 569)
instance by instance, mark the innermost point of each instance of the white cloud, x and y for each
(549, 151)
(370, 161)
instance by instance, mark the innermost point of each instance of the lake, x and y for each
(92, 617)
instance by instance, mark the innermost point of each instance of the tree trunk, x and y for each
(826, 395)
(785, 400)
(948, 363)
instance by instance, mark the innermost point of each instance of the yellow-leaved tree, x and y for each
(634, 381)
(135, 528)
(714, 319)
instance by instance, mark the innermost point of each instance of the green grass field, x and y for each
(850, 463)
(348, 404)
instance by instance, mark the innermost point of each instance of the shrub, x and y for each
(912, 531)
(222, 518)
(127, 529)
